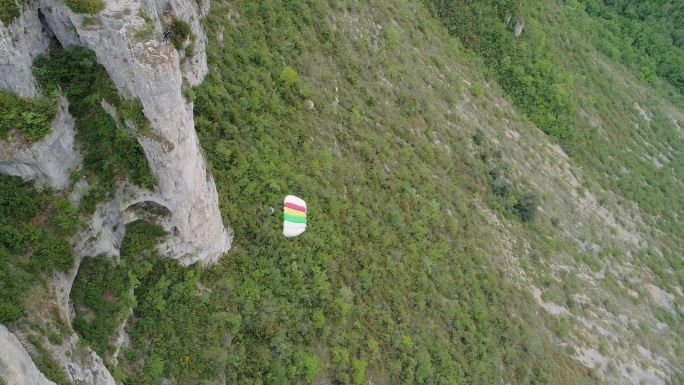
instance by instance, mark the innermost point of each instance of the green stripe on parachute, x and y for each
(294, 219)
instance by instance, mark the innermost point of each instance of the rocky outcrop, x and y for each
(143, 67)
(21, 42)
(50, 160)
(518, 28)
(16, 366)
(81, 365)
(126, 39)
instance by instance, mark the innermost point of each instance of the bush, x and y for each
(9, 10)
(289, 77)
(180, 31)
(477, 90)
(85, 6)
(31, 117)
(141, 236)
(101, 300)
(526, 208)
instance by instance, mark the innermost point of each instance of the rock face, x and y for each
(50, 160)
(21, 42)
(16, 367)
(143, 67)
(81, 365)
(126, 39)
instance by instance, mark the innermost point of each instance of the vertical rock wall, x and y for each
(21, 42)
(143, 67)
(129, 46)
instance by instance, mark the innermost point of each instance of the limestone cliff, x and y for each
(16, 366)
(50, 160)
(143, 67)
(127, 39)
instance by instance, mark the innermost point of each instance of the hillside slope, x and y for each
(483, 207)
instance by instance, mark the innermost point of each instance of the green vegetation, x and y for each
(9, 10)
(647, 36)
(85, 6)
(34, 240)
(46, 364)
(102, 300)
(103, 291)
(526, 71)
(110, 152)
(31, 117)
(180, 32)
(141, 237)
(398, 276)
(551, 74)
(384, 282)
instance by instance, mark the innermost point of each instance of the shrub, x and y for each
(141, 236)
(29, 245)
(477, 90)
(392, 37)
(526, 208)
(9, 10)
(180, 31)
(101, 300)
(31, 117)
(289, 76)
(85, 6)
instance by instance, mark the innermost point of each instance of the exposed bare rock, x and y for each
(518, 28)
(20, 43)
(16, 366)
(143, 67)
(81, 365)
(50, 160)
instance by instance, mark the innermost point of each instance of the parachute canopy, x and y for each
(294, 216)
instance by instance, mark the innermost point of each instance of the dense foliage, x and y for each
(34, 240)
(103, 290)
(646, 35)
(180, 32)
(383, 285)
(31, 117)
(110, 151)
(525, 70)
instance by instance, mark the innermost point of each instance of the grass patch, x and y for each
(85, 6)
